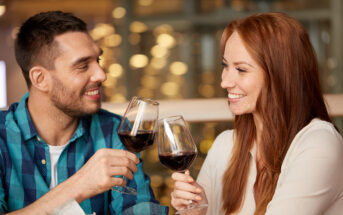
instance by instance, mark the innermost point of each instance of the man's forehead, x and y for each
(76, 41)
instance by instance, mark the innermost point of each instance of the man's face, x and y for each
(77, 76)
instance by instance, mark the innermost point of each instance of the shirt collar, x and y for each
(24, 120)
(28, 129)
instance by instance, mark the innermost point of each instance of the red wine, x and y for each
(177, 162)
(141, 141)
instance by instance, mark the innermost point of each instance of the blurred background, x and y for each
(169, 50)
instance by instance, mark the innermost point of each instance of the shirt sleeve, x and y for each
(143, 203)
(3, 203)
(313, 177)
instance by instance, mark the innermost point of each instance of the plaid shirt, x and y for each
(25, 172)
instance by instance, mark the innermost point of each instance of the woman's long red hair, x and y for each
(290, 99)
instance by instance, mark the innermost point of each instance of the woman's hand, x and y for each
(185, 191)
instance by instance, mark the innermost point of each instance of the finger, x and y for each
(180, 194)
(177, 176)
(178, 203)
(118, 181)
(123, 153)
(187, 187)
(121, 171)
(123, 162)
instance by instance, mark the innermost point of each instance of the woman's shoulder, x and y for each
(318, 135)
(319, 130)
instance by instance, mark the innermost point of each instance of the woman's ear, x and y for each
(39, 78)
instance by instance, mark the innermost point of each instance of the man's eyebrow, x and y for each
(85, 59)
(81, 60)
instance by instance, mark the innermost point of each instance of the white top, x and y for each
(310, 182)
(55, 152)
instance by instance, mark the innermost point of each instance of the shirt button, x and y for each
(39, 139)
(43, 161)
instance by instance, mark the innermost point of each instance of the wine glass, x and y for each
(176, 149)
(137, 129)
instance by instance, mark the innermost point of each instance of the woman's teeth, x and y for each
(235, 96)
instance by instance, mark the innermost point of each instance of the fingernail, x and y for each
(198, 190)
(198, 198)
(190, 180)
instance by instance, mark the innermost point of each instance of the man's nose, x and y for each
(99, 74)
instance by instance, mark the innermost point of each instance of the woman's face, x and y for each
(242, 77)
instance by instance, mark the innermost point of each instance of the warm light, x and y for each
(101, 30)
(115, 70)
(166, 40)
(156, 180)
(158, 51)
(2, 10)
(206, 90)
(170, 88)
(145, 2)
(150, 82)
(205, 145)
(158, 63)
(118, 12)
(146, 93)
(178, 68)
(118, 97)
(112, 40)
(3, 89)
(134, 38)
(110, 82)
(164, 28)
(139, 61)
(138, 27)
(207, 77)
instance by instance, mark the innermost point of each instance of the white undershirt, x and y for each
(55, 152)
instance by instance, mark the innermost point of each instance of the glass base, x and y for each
(191, 208)
(125, 190)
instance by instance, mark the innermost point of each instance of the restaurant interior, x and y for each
(168, 50)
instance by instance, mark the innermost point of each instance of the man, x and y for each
(56, 144)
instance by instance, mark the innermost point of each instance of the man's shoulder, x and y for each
(7, 116)
(105, 117)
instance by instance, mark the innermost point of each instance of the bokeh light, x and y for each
(138, 27)
(118, 12)
(139, 61)
(178, 68)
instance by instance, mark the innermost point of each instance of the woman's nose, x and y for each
(227, 79)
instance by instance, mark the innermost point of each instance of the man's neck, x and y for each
(52, 125)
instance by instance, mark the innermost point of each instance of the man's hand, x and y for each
(97, 175)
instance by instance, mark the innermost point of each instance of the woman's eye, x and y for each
(240, 69)
(224, 64)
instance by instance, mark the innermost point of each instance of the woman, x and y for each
(284, 156)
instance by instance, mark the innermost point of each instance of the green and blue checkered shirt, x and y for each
(25, 171)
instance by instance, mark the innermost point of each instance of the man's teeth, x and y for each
(92, 93)
(235, 96)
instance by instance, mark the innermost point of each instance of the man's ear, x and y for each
(39, 77)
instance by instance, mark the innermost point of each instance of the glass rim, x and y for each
(172, 118)
(148, 100)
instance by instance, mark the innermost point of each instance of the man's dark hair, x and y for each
(34, 44)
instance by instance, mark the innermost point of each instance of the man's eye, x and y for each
(224, 64)
(83, 67)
